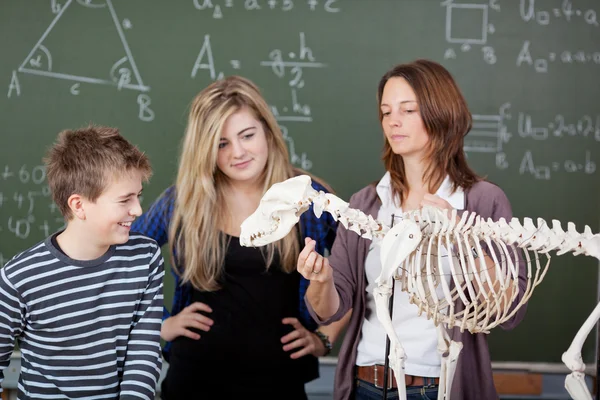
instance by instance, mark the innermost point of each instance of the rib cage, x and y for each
(453, 287)
(422, 273)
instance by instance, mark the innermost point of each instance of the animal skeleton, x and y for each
(415, 252)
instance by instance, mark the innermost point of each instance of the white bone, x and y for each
(279, 210)
(449, 351)
(407, 254)
(398, 243)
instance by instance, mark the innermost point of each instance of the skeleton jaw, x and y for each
(265, 235)
(279, 210)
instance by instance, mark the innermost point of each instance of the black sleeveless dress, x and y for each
(242, 355)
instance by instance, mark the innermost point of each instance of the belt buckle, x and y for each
(375, 378)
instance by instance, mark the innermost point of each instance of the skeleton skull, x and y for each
(279, 210)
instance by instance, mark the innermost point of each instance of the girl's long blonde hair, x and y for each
(194, 234)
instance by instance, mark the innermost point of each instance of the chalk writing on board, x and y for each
(28, 203)
(540, 60)
(296, 159)
(468, 25)
(474, 33)
(7, 173)
(490, 134)
(296, 61)
(217, 8)
(290, 65)
(540, 12)
(123, 73)
(528, 165)
(205, 61)
(55, 6)
(586, 126)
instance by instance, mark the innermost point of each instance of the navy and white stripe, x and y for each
(86, 329)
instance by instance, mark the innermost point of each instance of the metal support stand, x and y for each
(386, 363)
(597, 378)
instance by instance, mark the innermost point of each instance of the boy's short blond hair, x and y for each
(84, 161)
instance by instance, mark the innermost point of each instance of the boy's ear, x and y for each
(75, 202)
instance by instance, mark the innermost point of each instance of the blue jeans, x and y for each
(368, 391)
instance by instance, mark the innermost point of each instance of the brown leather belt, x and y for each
(374, 374)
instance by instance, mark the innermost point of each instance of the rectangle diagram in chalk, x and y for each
(466, 23)
(485, 135)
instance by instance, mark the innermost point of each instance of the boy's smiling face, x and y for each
(109, 218)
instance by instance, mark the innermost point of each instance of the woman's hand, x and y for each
(189, 317)
(437, 201)
(312, 265)
(302, 339)
(488, 262)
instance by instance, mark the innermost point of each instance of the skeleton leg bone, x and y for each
(575, 385)
(396, 246)
(449, 352)
(575, 382)
(397, 354)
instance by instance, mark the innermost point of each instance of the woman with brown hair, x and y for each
(424, 118)
(237, 327)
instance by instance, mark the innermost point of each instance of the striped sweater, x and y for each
(86, 329)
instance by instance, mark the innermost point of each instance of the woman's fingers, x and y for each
(193, 313)
(191, 317)
(293, 335)
(188, 333)
(300, 337)
(311, 265)
(302, 342)
(310, 262)
(318, 265)
(325, 272)
(296, 333)
(197, 321)
(436, 201)
(305, 256)
(302, 352)
(292, 321)
(197, 306)
(178, 325)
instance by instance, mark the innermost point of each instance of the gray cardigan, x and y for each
(473, 378)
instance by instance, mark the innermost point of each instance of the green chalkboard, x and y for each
(528, 69)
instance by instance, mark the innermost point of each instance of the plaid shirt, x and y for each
(155, 224)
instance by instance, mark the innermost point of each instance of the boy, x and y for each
(85, 305)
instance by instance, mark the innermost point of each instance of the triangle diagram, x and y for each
(85, 43)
